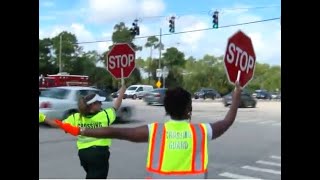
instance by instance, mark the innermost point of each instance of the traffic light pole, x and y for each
(160, 47)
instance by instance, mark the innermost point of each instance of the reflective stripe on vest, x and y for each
(187, 176)
(158, 140)
(85, 139)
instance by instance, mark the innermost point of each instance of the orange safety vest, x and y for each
(197, 168)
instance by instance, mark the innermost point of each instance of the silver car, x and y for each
(155, 97)
(60, 102)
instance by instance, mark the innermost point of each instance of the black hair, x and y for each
(176, 103)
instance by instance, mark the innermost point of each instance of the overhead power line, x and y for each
(190, 31)
(206, 12)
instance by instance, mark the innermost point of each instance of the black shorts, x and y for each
(95, 161)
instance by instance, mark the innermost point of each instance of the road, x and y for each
(251, 148)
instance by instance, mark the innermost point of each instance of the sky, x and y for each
(93, 20)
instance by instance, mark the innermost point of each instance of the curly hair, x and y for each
(176, 102)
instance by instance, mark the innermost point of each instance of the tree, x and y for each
(152, 42)
(122, 34)
(173, 57)
(69, 49)
(46, 61)
(174, 60)
(101, 78)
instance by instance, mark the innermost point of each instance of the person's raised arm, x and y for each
(220, 127)
(118, 101)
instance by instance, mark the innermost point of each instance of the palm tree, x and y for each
(152, 42)
(119, 27)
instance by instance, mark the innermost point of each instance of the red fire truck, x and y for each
(62, 79)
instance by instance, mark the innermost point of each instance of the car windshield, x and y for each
(132, 88)
(57, 93)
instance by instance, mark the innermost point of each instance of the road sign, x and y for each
(158, 84)
(121, 58)
(165, 72)
(159, 73)
(239, 58)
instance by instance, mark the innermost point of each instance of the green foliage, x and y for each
(190, 73)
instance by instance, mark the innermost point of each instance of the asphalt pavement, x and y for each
(251, 148)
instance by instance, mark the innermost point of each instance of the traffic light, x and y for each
(171, 24)
(135, 30)
(215, 20)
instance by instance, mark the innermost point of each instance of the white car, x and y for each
(60, 102)
(137, 91)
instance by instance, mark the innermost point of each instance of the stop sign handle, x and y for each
(238, 76)
(122, 79)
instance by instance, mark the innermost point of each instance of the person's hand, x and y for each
(42, 117)
(73, 130)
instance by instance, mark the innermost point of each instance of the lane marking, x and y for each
(247, 121)
(275, 157)
(262, 169)
(276, 124)
(236, 176)
(266, 122)
(269, 163)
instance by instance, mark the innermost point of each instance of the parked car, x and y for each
(114, 94)
(263, 95)
(137, 91)
(206, 93)
(60, 102)
(155, 97)
(275, 95)
(246, 100)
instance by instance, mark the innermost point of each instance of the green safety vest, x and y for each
(102, 119)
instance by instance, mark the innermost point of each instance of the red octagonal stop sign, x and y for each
(240, 57)
(121, 58)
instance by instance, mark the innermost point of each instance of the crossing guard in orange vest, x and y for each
(177, 148)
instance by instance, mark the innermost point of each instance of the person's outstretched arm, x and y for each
(44, 119)
(118, 101)
(220, 127)
(137, 134)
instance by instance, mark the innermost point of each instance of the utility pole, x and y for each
(60, 65)
(160, 48)
(150, 73)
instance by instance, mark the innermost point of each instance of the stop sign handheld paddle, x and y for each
(121, 61)
(239, 59)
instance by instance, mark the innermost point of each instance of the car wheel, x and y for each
(125, 114)
(134, 97)
(254, 105)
